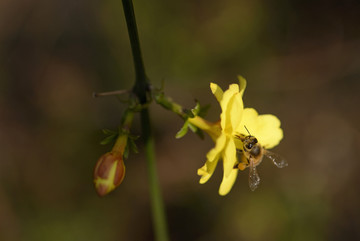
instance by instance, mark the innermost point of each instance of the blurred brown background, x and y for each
(302, 63)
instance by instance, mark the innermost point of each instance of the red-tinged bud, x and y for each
(109, 172)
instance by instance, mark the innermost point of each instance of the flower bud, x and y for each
(109, 172)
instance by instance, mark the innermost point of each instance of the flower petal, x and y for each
(230, 104)
(229, 157)
(217, 91)
(242, 83)
(266, 128)
(228, 182)
(213, 129)
(207, 170)
(235, 111)
(215, 152)
(238, 143)
(270, 131)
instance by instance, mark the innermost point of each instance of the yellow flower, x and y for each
(233, 118)
(266, 128)
(225, 142)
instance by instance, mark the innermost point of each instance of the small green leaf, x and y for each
(182, 132)
(133, 137)
(126, 152)
(197, 131)
(196, 109)
(203, 110)
(189, 113)
(108, 132)
(109, 139)
(132, 145)
(200, 133)
(199, 110)
(192, 127)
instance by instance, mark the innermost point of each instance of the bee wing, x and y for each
(276, 159)
(254, 179)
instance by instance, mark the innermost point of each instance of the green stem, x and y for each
(121, 141)
(157, 205)
(141, 89)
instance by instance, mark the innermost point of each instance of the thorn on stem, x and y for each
(115, 92)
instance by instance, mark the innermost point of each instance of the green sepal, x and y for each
(199, 110)
(204, 110)
(196, 109)
(126, 151)
(132, 144)
(122, 131)
(196, 130)
(184, 129)
(111, 136)
(189, 113)
(108, 132)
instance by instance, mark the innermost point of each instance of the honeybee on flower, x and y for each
(252, 155)
(230, 137)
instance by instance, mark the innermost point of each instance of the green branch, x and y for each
(141, 87)
(141, 90)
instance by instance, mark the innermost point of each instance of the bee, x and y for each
(252, 155)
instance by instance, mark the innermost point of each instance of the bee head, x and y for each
(249, 142)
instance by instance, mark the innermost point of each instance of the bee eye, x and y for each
(249, 146)
(255, 140)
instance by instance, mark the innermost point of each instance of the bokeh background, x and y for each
(302, 63)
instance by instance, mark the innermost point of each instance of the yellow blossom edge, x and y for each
(216, 151)
(228, 182)
(212, 129)
(242, 84)
(229, 157)
(212, 159)
(230, 114)
(206, 171)
(266, 128)
(233, 118)
(225, 144)
(217, 91)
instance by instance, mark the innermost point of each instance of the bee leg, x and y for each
(241, 166)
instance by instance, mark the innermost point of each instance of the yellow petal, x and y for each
(228, 94)
(227, 107)
(270, 132)
(236, 109)
(213, 129)
(215, 152)
(206, 171)
(228, 182)
(249, 118)
(238, 143)
(242, 83)
(217, 91)
(266, 128)
(229, 157)
(232, 114)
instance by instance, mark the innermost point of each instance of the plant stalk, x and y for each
(141, 90)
